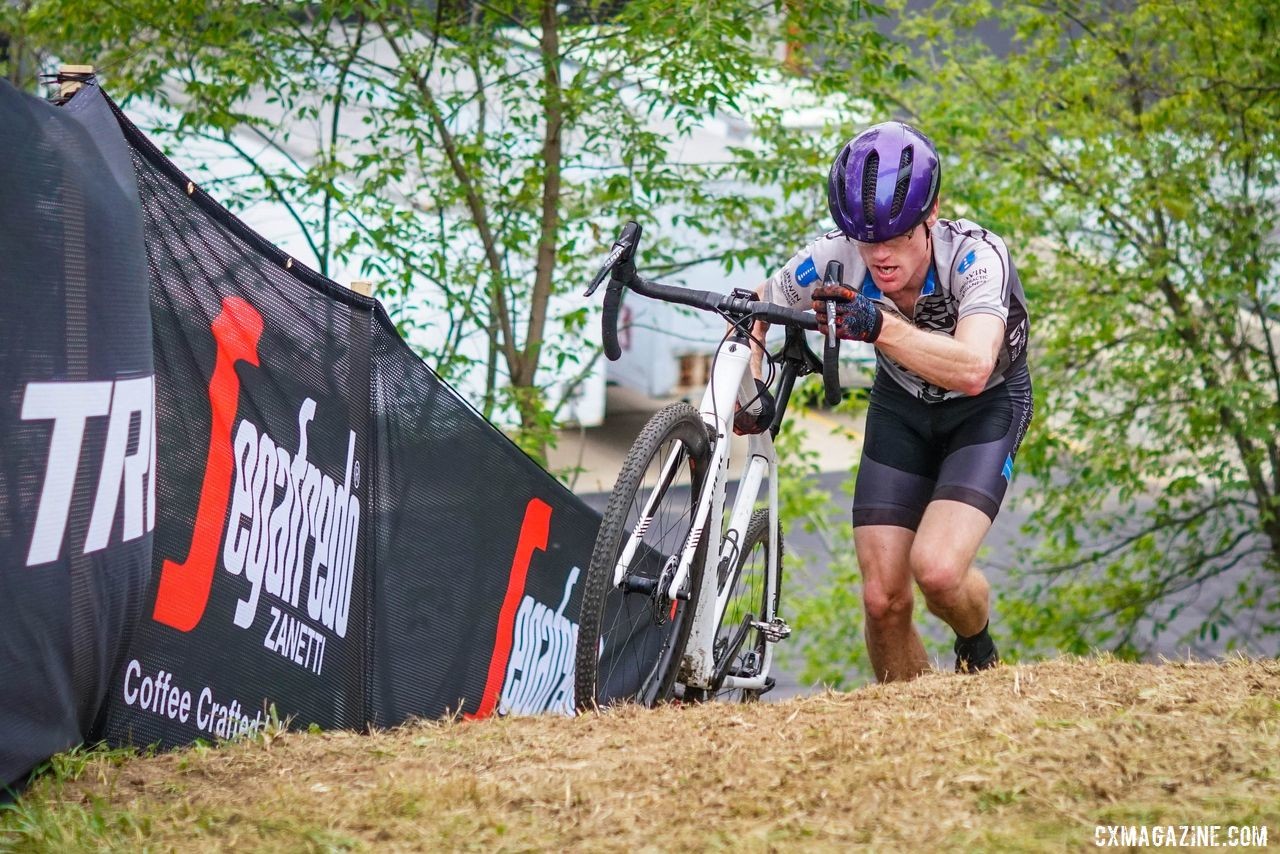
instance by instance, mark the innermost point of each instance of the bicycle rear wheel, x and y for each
(739, 648)
(630, 639)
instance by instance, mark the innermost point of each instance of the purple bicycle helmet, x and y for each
(884, 182)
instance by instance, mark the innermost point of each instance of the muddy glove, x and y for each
(745, 423)
(856, 317)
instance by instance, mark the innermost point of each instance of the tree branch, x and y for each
(475, 205)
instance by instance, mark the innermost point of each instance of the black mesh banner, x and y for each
(230, 490)
(481, 556)
(340, 537)
(77, 450)
(260, 566)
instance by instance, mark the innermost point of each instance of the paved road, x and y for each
(1000, 554)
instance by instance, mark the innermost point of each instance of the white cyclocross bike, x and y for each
(678, 601)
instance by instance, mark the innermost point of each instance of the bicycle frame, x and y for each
(719, 544)
(731, 382)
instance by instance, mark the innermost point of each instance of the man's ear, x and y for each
(932, 219)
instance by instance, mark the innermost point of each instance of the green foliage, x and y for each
(43, 820)
(21, 55)
(1128, 155)
(48, 824)
(476, 160)
(72, 764)
(1130, 152)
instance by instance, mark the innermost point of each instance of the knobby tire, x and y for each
(630, 643)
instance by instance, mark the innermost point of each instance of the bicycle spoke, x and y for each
(737, 653)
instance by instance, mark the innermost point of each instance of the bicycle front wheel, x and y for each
(631, 636)
(740, 647)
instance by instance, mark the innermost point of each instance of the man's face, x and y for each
(900, 262)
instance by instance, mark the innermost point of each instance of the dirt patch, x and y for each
(1031, 757)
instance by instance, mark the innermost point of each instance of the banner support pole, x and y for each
(71, 79)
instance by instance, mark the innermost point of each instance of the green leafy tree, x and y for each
(475, 159)
(22, 54)
(1131, 150)
(496, 148)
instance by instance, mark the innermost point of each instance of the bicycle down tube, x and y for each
(731, 382)
(669, 468)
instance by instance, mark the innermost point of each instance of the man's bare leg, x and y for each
(887, 598)
(941, 560)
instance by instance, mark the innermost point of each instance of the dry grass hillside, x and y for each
(1032, 757)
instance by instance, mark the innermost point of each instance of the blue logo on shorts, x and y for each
(1007, 471)
(968, 261)
(806, 273)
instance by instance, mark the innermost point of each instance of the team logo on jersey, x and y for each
(1018, 339)
(968, 261)
(977, 277)
(807, 273)
(937, 315)
(785, 282)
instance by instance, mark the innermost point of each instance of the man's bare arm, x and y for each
(759, 329)
(963, 363)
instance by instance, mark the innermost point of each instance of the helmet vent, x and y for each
(903, 184)
(869, 170)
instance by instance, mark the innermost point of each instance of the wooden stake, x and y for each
(71, 79)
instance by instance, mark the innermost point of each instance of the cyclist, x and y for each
(943, 306)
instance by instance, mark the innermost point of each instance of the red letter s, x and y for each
(184, 587)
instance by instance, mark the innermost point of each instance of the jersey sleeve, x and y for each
(981, 278)
(792, 284)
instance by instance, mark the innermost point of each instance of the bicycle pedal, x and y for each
(774, 631)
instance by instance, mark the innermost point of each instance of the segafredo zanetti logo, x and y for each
(291, 528)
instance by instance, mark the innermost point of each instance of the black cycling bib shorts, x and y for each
(960, 449)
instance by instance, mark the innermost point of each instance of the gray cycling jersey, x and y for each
(971, 274)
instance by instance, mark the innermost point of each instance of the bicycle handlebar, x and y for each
(620, 269)
(726, 303)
